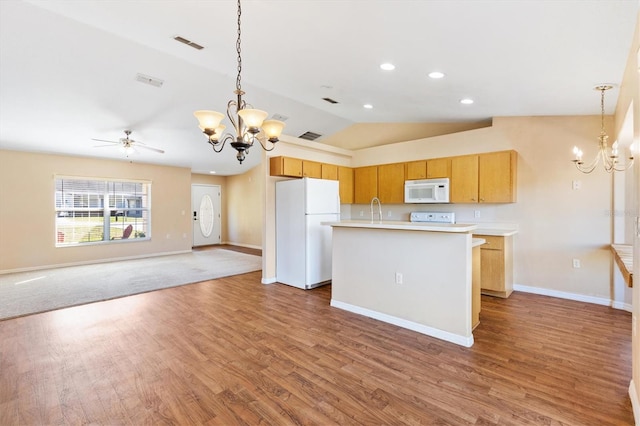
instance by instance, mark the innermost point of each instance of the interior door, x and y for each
(205, 214)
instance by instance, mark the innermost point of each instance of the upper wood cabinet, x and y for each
(439, 168)
(329, 171)
(477, 178)
(464, 179)
(345, 177)
(497, 177)
(484, 178)
(311, 169)
(391, 183)
(285, 166)
(415, 170)
(365, 184)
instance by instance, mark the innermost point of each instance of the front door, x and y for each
(205, 214)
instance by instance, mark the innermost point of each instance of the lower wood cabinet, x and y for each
(496, 265)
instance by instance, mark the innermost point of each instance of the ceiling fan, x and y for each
(127, 145)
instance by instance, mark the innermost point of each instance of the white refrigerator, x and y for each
(303, 245)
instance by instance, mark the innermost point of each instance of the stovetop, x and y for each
(433, 217)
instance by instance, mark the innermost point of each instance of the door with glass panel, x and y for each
(205, 214)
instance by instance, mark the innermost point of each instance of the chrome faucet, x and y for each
(376, 199)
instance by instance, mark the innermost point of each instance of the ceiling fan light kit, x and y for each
(127, 145)
(249, 124)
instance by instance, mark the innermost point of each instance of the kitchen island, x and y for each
(414, 275)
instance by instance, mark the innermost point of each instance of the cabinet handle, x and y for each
(481, 199)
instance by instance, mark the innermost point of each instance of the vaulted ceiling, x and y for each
(68, 68)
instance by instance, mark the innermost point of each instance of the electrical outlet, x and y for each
(361, 213)
(576, 263)
(389, 213)
(398, 277)
(576, 184)
(476, 213)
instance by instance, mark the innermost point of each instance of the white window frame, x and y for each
(105, 209)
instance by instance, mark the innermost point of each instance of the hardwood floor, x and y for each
(234, 351)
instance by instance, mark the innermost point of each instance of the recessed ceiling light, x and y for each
(466, 101)
(367, 106)
(212, 172)
(387, 66)
(436, 74)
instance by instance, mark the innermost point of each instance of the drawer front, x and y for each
(493, 242)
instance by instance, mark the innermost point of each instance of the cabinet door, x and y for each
(439, 168)
(464, 179)
(311, 169)
(492, 270)
(497, 177)
(365, 184)
(329, 171)
(345, 178)
(391, 183)
(285, 166)
(416, 170)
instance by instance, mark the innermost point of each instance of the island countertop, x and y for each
(405, 226)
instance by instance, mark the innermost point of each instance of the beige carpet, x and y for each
(26, 293)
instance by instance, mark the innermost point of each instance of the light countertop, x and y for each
(496, 229)
(477, 242)
(406, 226)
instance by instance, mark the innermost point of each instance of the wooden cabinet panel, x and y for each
(329, 171)
(365, 184)
(492, 269)
(415, 170)
(311, 169)
(391, 183)
(285, 166)
(345, 177)
(439, 168)
(464, 179)
(496, 265)
(497, 177)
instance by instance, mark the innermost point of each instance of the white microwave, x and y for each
(426, 191)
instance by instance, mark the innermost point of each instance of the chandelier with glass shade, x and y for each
(609, 156)
(249, 124)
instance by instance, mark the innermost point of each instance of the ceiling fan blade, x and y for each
(103, 146)
(139, 145)
(102, 140)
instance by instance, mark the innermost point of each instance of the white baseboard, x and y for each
(622, 306)
(420, 328)
(635, 402)
(268, 280)
(92, 262)
(251, 246)
(570, 296)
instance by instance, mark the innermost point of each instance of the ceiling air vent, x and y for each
(310, 136)
(188, 42)
(153, 81)
(331, 101)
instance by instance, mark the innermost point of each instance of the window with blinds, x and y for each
(91, 210)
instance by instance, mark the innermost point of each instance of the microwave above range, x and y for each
(426, 191)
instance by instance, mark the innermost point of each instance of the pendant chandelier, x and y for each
(608, 156)
(249, 124)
